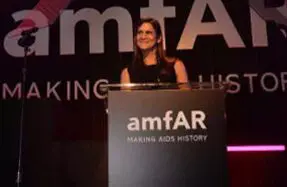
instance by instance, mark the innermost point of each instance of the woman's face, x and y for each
(146, 37)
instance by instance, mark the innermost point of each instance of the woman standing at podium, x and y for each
(150, 64)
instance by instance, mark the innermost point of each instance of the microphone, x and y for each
(27, 39)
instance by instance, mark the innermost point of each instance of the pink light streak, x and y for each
(256, 148)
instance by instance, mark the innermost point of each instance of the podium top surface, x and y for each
(166, 86)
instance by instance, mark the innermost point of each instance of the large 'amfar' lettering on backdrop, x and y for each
(194, 27)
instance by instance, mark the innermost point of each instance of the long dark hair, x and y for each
(162, 59)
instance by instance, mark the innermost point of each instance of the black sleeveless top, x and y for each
(163, 73)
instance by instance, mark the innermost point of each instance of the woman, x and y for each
(150, 64)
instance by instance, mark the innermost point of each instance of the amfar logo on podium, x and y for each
(168, 123)
(194, 27)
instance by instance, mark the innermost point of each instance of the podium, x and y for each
(166, 135)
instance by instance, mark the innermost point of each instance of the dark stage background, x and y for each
(65, 129)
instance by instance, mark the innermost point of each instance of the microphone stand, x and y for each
(25, 41)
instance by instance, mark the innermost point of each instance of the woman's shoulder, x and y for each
(178, 62)
(170, 59)
(125, 69)
(125, 77)
(128, 70)
(179, 65)
(174, 61)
